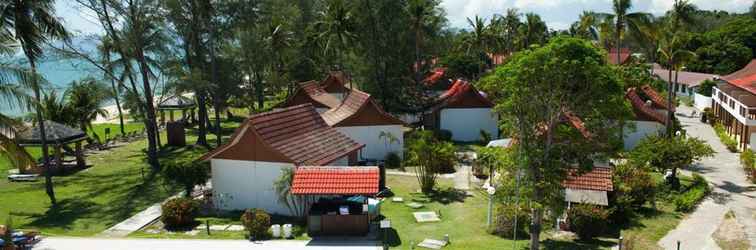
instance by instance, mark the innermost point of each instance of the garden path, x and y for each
(170, 244)
(731, 190)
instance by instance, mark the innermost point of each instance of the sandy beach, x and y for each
(112, 116)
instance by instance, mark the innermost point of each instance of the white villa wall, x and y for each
(642, 130)
(239, 185)
(375, 147)
(466, 123)
(701, 101)
(752, 142)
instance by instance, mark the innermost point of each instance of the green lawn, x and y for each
(118, 185)
(462, 217)
(230, 219)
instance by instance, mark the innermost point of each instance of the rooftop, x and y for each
(55, 133)
(612, 55)
(690, 79)
(744, 78)
(311, 92)
(336, 181)
(642, 110)
(359, 109)
(463, 94)
(296, 135)
(598, 179)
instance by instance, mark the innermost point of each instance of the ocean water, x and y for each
(59, 73)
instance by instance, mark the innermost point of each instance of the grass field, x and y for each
(118, 185)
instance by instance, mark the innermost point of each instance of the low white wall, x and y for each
(641, 130)
(466, 123)
(701, 101)
(375, 146)
(238, 185)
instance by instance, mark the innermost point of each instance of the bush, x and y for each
(708, 116)
(485, 137)
(633, 187)
(697, 190)
(587, 221)
(503, 224)
(443, 135)
(179, 213)
(730, 143)
(256, 221)
(393, 161)
(748, 161)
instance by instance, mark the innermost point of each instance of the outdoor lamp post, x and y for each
(491, 191)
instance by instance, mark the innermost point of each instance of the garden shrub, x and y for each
(503, 224)
(256, 221)
(708, 116)
(587, 221)
(393, 161)
(485, 137)
(730, 143)
(698, 189)
(633, 187)
(443, 135)
(748, 161)
(179, 213)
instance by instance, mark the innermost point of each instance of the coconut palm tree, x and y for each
(477, 41)
(623, 20)
(85, 99)
(587, 26)
(420, 11)
(14, 86)
(533, 30)
(681, 14)
(336, 29)
(32, 23)
(676, 57)
(106, 49)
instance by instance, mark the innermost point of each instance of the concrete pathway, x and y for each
(134, 223)
(166, 244)
(731, 191)
(462, 177)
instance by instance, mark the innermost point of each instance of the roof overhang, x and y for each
(584, 196)
(336, 181)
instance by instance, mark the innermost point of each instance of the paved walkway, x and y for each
(134, 223)
(166, 244)
(731, 191)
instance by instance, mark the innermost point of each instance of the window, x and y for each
(684, 88)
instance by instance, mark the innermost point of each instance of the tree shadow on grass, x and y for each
(447, 195)
(61, 216)
(578, 244)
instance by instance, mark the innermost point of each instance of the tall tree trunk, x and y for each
(670, 89)
(43, 136)
(152, 129)
(116, 95)
(418, 65)
(214, 75)
(259, 91)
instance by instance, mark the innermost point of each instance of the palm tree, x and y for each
(33, 23)
(14, 86)
(336, 29)
(587, 26)
(623, 20)
(420, 12)
(533, 30)
(106, 49)
(476, 42)
(681, 15)
(85, 99)
(279, 40)
(676, 57)
(54, 108)
(511, 22)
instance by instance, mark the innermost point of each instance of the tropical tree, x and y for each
(14, 86)
(675, 57)
(587, 26)
(670, 153)
(533, 30)
(476, 42)
(85, 98)
(429, 156)
(623, 21)
(32, 24)
(422, 16)
(336, 30)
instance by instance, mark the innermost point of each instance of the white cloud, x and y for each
(560, 14)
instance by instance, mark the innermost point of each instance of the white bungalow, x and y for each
(650, 116)
(245, 169)
(464, 111)
(311, 92)
(363, 120)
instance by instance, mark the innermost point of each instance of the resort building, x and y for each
(245, 169)
(363, 120)
(311, 92)
(734, 104)
(336, 83)
(591, 187)
(687, 82)
(650, 111)
(463, 111)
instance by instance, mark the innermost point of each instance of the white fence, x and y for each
(701, 101)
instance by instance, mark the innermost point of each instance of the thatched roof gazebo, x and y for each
(57, 136)
(176, 102)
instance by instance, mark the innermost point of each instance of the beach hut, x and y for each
(311, 92)
(57, 136)
(245, 169)
(176, 103)
(465, 112)
(363, 120)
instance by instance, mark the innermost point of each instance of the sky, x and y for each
(558, 14)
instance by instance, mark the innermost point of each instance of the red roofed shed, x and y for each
(336, 181)
(590, 187)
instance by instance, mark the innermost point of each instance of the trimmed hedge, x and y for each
(697, 190)
(730, 143)
(179, 213)
(588, 221)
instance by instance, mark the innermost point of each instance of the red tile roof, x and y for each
(335, 82)
(624, 55)
(658, 101)
(463, 94)
(360, 106)
(311, 92)
(599, 179)
(576, 123)
(642, 110)
(298, 134)
(335, 181)
(497, 59)
(744, 78)
(436, 75)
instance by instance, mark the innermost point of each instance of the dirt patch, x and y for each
(731, 234)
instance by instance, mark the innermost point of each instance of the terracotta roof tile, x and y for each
(355, 103)
(434, 77)
(298, 133)
(744, 78)
(690, 79)
(335, 181)
(311, 92)
(599, 178)
(658, 101)
(461, 92)
(641, 109)
(612, 55)
(335, 82)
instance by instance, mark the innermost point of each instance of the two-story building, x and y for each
(734, 104)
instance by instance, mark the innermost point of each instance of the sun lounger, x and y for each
(432, 244)
(23, 177)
